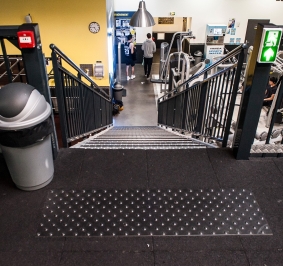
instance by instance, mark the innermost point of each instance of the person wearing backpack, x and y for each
(148, 48)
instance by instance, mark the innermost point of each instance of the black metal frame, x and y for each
(257, 76)
(83, 107)
(34, 65)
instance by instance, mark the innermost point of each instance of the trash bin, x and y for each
(118, 91)
(198, 56)
(25, 141)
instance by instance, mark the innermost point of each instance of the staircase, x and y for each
(140, 137)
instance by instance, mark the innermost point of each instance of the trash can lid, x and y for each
(164, 44)
(13, 98)
(198, 53)
(117, 86)
(30, 107)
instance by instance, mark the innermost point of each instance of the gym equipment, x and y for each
(214, 45)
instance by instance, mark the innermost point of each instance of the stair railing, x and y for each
(83, 107)
(205, 109)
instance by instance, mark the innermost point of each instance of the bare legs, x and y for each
(133, 72)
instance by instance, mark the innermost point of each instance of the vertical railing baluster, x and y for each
(234, 95)
(277, 105)
(203, 92)
(60, 99)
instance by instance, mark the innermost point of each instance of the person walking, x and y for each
(129, 49)
(149, 48)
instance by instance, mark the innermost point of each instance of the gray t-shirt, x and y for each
(148, 48)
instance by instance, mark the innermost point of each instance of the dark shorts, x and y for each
(129, 61)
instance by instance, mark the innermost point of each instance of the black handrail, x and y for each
(206, 108)
(83, 108)
(222, 60)
(79, 70)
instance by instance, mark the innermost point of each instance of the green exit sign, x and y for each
(269, 45)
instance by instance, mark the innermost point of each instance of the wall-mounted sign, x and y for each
(123, 28)
(269, 45)
(167, 20)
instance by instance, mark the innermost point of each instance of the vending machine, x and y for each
(214, 41)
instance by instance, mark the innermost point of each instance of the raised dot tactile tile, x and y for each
(267, 148)
(159, 212)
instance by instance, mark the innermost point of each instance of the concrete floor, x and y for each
(140, 102)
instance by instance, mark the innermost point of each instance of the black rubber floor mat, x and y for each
(152, 212)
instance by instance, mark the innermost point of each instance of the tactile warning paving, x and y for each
(267, 148)
(152, 212)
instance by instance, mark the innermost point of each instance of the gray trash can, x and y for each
(198, 56)
(25, 141)
(118, 91)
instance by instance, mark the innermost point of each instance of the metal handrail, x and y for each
(83, 107)
(224, 59)
(78, 69)
(205, 108)
(176, 91)
(76, 78)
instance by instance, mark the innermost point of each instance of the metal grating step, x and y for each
(139, 138)
(163, 137)
(140, 147)
(151, 212)
(138, 144)
(138, 141)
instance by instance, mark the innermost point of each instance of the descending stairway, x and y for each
(139, 137)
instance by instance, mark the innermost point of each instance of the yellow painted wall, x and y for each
(64, 23)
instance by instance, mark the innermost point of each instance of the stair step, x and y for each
(139, 141)
(139, 138)
(137, 147)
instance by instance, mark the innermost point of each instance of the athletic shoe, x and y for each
(128, 78)
(133, 76)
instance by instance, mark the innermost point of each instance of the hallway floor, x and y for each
(79, 169)
(140, 103)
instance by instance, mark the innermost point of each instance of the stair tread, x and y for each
(136, 137)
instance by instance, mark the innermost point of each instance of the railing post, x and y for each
(35, 68)
(60, 99)
(234, 95)
(82, 103)
(202, 99)
(255, 83)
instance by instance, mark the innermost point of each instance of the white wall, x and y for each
(211, 12)
(141, 34)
